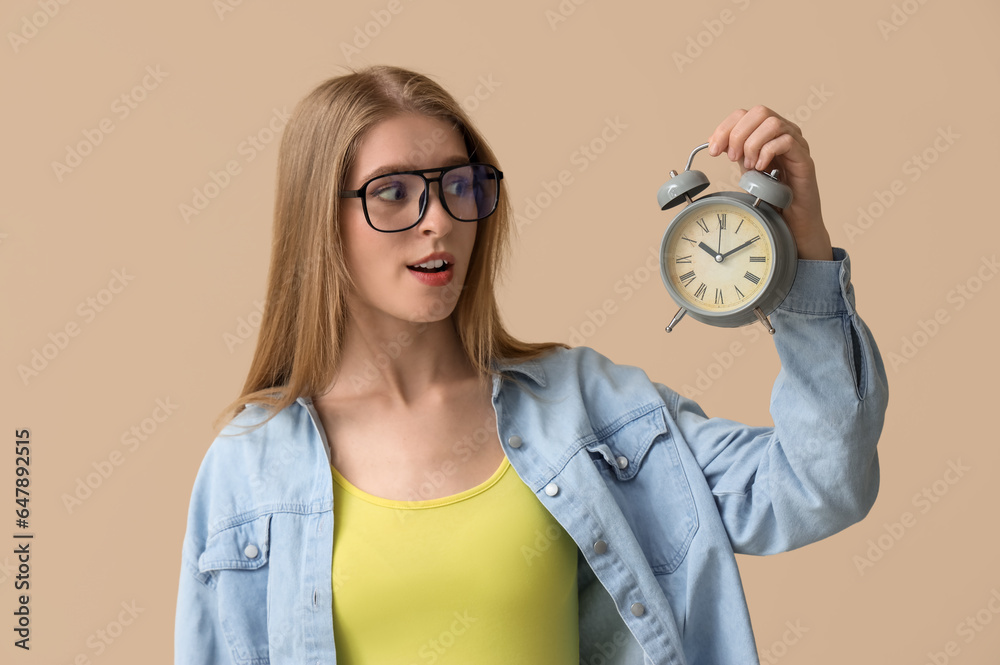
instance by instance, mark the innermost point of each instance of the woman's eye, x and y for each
(458, 187)
(391, 192)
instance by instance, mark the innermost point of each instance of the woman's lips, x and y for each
(442, 278)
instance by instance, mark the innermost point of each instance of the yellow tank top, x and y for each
(483, 576)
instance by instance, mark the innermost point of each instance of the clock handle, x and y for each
(687, 184)
(693, 153)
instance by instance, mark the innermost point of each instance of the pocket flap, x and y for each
(629, 440)
(243, 546)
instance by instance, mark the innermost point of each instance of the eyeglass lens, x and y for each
(396, 201)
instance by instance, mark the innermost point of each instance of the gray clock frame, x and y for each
(763, 195)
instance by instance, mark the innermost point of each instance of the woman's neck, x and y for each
(399, 361)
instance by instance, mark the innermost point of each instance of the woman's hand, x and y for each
(761, 139)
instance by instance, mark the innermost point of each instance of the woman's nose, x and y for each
(436, 219)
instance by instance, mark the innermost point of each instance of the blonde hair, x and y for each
(302, 327)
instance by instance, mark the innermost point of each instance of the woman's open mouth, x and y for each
(436, 272)
(434, 266)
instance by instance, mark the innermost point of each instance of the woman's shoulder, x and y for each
(554, 359)
(576, 360)
(254, 462)
(257, 435)
(594, 376)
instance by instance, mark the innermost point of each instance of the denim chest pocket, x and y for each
(235, 561)
(639, 463)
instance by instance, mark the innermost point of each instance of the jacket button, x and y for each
(600, 547)
(622, 462)
(251, 551)
(515, 441)
(637, 609)
(552, 489)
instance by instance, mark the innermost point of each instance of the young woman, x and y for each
(402, 481)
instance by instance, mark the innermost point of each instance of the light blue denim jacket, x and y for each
(657, 496)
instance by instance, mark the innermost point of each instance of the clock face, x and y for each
(718, 257)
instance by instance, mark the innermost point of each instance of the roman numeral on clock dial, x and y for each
(718, 260)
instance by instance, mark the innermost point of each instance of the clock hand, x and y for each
(715, 255)
(720, 240)
(746, 244)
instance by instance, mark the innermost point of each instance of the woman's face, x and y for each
(383, 264)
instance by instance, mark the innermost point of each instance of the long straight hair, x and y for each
(300, 343)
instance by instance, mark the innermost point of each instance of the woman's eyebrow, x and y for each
(395, 168)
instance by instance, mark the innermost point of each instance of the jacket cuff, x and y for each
(822, 287)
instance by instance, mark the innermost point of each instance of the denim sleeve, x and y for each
(198, 635)
(815, 472)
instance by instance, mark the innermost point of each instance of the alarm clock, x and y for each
(728, 258)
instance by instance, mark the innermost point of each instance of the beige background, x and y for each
(867, 98)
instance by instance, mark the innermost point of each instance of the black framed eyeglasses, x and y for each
(397, 201)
